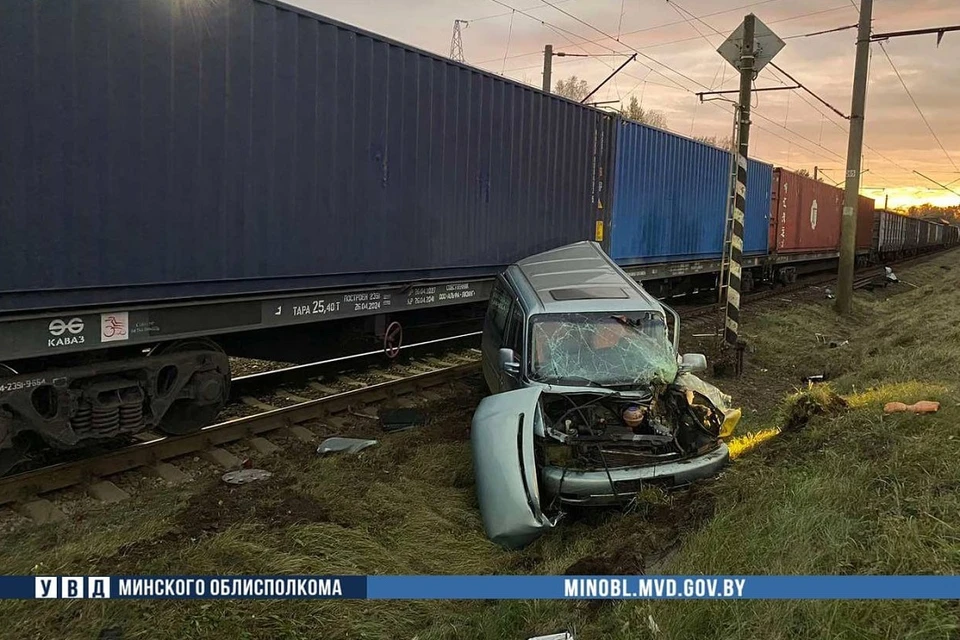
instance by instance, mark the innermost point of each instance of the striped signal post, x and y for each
(732, 322)
(749, 48)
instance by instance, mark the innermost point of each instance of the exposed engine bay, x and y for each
(608, 431)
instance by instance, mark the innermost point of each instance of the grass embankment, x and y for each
(850, 493)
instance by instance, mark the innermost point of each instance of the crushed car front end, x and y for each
(540, 450)
(599, 448)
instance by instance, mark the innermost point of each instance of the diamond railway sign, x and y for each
(768, 44)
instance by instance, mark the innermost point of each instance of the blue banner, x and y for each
(484, 587)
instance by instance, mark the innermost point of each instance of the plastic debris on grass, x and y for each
(720, 400)
(348, 445)
(245, 476)
(924, 406)
(401, 419)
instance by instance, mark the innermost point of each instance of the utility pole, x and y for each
(747, 55)
(848, 228)
(815, 170)
(547, 66)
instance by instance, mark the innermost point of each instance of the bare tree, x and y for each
(803, 172)
(722, 143)
(573, 88)
(634, 111)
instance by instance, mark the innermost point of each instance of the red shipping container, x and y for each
(865, 210)
(805, 214)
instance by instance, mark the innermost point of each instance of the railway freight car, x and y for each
(897, 236)
(185, 179)
(805, 226)
(669, 207)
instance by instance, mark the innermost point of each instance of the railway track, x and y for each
(245, 385)
(155, 452)
(862, 279)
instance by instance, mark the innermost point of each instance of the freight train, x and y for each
(187, 180)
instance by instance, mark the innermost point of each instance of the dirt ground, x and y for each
(848, 493)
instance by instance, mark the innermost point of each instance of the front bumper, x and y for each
(592, 488)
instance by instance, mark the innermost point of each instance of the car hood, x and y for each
(501, 439)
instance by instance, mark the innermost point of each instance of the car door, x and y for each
(494, 328)
(513, 339)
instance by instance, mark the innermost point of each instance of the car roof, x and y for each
(578, 278)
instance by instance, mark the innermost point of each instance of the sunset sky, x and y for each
(791, 128)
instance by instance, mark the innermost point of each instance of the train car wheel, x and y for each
(210, 389)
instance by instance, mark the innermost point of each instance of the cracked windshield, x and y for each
(601, 349)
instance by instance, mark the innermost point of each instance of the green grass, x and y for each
(850, 491)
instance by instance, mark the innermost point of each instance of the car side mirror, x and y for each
(691, 362)
(508, 362)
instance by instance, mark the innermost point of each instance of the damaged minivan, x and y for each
(590, 398)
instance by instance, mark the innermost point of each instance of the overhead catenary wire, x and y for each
(666, 25)
(917, 106)
(696, 82)
(842, 128)
(676, 83)
(562, 31)
(806, 89)
(604, 33)
(507, 50)
(507, 13)
(679, 8)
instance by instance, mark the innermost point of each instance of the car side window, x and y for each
(499, 309)
(514, 336)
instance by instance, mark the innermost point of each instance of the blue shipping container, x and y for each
(670, 195)
(168, 149)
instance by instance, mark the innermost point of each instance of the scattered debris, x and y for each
(563, 635)
(833, 344)
(818, 400)
(244, 476)
(652, 625)
(362, 415)
(829, 293)
(889, 275)
(401, 419)
(924, 406)
(720, 400)
(810, 380)
(350, 445)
